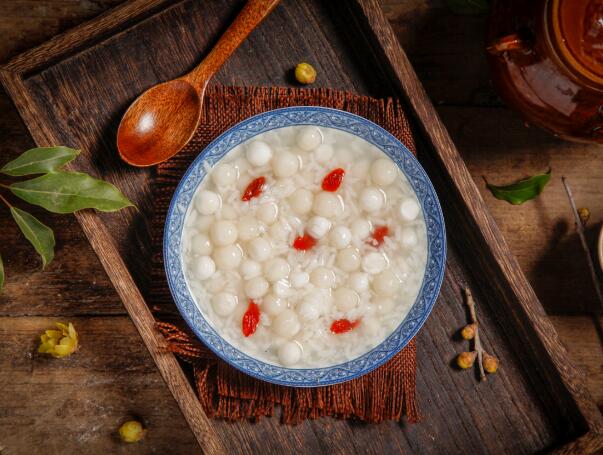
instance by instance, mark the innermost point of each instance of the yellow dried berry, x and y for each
(468, 332)
(59, 343)
(305, 73)
(132, 431)
(490, 363)
(466, 359)
(584, 214)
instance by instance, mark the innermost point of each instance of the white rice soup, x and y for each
(297, 275)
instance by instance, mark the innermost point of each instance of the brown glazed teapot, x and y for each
(546, 59)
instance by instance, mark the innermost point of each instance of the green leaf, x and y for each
(40, 161)
(68, 192)
(522, 190)
(469, 6)
(38, 234)
(1, 273)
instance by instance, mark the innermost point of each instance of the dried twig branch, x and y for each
(477, 342)
(581, 233)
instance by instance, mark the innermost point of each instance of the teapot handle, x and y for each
(507, 43)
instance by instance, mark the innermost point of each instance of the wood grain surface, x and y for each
(493, 141)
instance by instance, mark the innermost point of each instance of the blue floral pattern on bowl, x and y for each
(325, 117)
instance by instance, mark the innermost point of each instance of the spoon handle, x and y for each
(248, 19)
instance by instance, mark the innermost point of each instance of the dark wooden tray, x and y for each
(74, 89)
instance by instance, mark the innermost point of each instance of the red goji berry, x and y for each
(343, 326)
(304, 242)
(254, 189)
(333, 180)
(251, 319)
(379, 234)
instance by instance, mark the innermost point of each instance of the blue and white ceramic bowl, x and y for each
(322, 117)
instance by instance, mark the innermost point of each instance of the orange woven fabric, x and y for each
(387, 393)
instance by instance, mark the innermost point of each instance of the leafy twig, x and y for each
(55, 190)
(477, 344)
(581, 233)
(522, 190)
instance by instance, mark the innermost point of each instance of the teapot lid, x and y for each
(577, 31)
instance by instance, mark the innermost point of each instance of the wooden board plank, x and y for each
(341, 68)
(541, 232)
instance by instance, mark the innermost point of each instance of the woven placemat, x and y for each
(387, 393)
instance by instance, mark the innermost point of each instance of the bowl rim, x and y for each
(328, 118)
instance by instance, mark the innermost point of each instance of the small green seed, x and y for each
(305, 73)
(131, 431)
(468, 332)
(490, 363)
(584, 214)
(466, 359)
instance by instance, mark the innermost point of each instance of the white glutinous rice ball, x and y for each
(384, 172)
(386, 283)
(223, 232)
(229, 213)
(409, 209)
(207, 202)
(224, 175)
(201, 244)
(374, 263)
(308, 138)
(256, 287)
(360, 229)
(359, 281)
(360, 169)
(276, 269)
(204, 267)
(228, 257)
(259, 249)
(385, 305)
(203, 223)
(289, 353)
(348, 259)
(323, 153)
(250, 269)
(224, 303)
(322, 277)
(285, 164)
(258, 153)
(308, 310)
(299, 279)
(273, 304)
(408, 237)
(286, 324)
(301, 201)
(318, 227)
(281, 288)
(345, 299)
(340, 237)
(267, 212)
(328, 205)
(248, 228)
(371, 199)
(279, 232)
(241, 165)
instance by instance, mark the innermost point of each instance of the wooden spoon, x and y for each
(163, 119)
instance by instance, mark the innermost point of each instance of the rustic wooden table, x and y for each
(67, 406)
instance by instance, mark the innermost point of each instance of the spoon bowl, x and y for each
(159, 123)
(164, 118)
